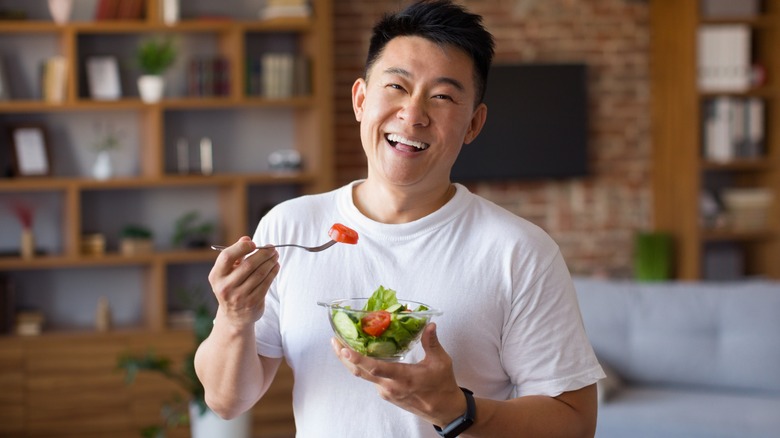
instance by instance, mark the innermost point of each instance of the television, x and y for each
(536, 127)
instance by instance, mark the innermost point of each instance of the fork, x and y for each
(322, 247)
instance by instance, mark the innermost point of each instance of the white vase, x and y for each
(103, 168)
(151, 88)
(60, 10)
(170, 11)
(210, 425)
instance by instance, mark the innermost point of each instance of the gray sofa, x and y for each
(685, 359)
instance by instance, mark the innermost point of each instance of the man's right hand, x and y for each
(240, 279)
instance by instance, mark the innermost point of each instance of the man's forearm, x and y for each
(572, 414)
(232, 373)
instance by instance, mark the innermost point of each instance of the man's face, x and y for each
(416, 110)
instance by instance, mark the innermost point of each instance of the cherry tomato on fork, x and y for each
(343, 234)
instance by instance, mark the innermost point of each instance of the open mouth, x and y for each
(403, 143)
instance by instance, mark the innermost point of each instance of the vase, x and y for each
(151, 88)
(60, 10)
(170, 11)
(210, 425)
(103, 168)
(27, 244)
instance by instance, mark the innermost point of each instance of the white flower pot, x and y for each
(151, 88)
(60, 10)
(210, 425)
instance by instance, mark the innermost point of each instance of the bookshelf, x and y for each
(684, 170)
(147, 188)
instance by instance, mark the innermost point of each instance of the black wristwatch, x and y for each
(463, 422)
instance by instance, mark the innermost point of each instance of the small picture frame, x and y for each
(30, 150)
(103, 78)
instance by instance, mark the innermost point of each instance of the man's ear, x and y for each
(477, 122)
(358, 97)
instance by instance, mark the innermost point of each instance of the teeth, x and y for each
(395, 138)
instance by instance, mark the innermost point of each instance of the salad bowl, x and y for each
(381, 326)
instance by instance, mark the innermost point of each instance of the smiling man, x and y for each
(508, 357)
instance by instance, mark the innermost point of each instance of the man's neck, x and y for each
(398, 205)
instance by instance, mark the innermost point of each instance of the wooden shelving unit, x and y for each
(233, 197)
(680, 171)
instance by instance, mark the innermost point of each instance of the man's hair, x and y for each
(441, 22)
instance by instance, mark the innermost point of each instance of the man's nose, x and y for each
(414, 112)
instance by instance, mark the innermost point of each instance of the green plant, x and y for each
(653, 256)
(190, 231)
(108, 138)
(155, 56)
(136, 232)
(176, 411)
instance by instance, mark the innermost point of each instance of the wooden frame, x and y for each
(30, 153)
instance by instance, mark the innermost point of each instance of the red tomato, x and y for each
(375, 323)
(343, 234)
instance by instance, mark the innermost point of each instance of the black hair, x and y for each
(444, 23)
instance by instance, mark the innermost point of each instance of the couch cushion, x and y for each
(668, 413)
(723, 334)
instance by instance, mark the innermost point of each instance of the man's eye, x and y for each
(442, 96)
(395, 86)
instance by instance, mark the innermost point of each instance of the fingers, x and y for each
(241, 277)
(234, 253)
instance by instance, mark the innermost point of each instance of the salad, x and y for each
(383, 328)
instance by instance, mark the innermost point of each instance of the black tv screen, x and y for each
(536, 128)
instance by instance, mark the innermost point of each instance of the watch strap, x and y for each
(460, 424)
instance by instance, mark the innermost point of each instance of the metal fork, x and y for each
(322, 247)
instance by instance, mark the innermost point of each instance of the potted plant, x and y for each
(190, 232)
(154, 56)
(136, 239)
(193, 411)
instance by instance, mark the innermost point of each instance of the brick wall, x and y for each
(593, 219)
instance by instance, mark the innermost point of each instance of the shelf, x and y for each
(294, 24)
(682, 175)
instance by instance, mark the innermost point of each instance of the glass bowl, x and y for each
(382, 334)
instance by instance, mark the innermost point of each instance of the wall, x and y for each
(593, 219)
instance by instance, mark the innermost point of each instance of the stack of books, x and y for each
(285, 8)
(119, 10)
(279, 76)
(29, 323)
(208, 76)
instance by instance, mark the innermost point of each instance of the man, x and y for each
(510, 332)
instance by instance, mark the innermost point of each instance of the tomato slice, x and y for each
(343, 234)
(375, 323)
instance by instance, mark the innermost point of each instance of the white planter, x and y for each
(60, 10)
(151, 88)
(103, 168)
(210, 425)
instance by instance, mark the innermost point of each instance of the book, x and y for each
(55, 72)
(285, 8)
(129, 9)
(723, 58)
(107, 10)
(733, 128)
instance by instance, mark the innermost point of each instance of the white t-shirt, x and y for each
(510, 322)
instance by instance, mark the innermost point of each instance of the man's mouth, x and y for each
(402, 143)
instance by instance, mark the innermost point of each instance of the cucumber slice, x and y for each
(395, 307)
(381, 348)
(345, 326)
